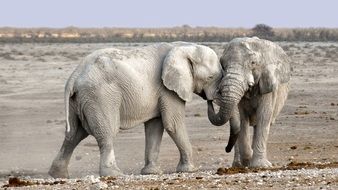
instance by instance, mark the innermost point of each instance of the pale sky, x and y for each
(169, 13)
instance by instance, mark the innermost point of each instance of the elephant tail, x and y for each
(69, 92)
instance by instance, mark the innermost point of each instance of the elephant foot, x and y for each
(260, 162)
(245, 162)
(185, 168)
(246, 157)
(237, 164)
(110, 171)
(57, 171)
(151, 169)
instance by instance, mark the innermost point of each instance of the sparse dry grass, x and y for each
(185, 33)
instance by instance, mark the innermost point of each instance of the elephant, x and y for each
(116, 89)
(252, 92)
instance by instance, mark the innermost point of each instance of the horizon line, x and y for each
(162, 27)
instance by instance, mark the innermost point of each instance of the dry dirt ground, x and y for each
(32, 78)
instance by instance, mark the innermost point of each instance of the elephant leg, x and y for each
(104, 123)
(261, 132)
(181, 139)
(153, 131)
(108, 166)
(237, 158)
(173, 114)
(244, 143)
(72, 139)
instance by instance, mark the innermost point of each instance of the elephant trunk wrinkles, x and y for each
(231, 92)
(234, 130)
(219, 118)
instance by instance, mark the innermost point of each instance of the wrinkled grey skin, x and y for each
(116, 89)
(252, 92)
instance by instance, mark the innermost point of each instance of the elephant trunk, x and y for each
(234, 130)
(219, 118)
(232, 141)
(232, 90)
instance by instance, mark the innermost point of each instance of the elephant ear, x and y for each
(268, 81)
(277, 69)
(177, 73)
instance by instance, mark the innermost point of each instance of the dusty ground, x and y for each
(32, 78)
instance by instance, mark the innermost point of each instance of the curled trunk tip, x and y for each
(232, 141)
(219, 118)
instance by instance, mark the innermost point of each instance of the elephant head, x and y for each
(248, 64)
(191, 68)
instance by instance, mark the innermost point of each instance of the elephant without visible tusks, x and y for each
(117, 89)
(252, 92)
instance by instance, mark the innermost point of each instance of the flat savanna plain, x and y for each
(32, 125)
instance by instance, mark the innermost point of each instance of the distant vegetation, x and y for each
(263, 31)
(183, 33)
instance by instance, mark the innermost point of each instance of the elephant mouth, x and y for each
(203, 95)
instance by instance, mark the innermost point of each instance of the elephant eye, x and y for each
(210, 78)
(252, 62)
